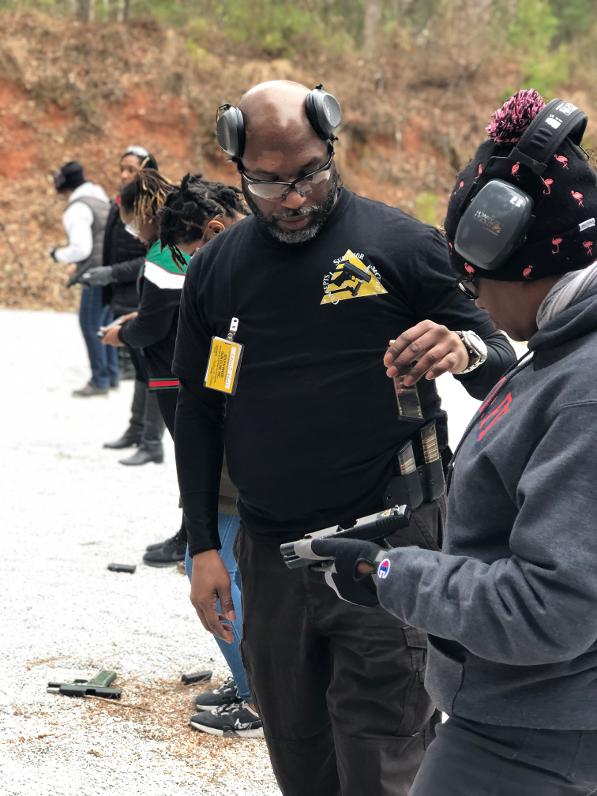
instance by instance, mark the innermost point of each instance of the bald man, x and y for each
(313, 286)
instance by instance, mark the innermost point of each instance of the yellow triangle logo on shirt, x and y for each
(350, 279)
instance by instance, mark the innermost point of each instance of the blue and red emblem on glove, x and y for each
(383, 570)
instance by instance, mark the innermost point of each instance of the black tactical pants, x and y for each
(471, 759)
(146, 422)
(339, 687)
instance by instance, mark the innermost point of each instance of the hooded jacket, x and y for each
(511, 602)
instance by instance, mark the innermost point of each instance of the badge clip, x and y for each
(233, 329)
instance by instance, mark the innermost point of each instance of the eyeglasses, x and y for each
(279, 189)
(470, 287)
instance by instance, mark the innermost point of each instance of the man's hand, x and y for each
(127, 317)
(71, 269)
(426, 349)
(100, 276)
(110, 335)
(210, 582)
(354, 560)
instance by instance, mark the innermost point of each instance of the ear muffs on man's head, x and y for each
(322, 109)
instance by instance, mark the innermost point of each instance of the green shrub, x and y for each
(426, 208)
(532, 33)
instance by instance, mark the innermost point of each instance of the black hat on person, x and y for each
(69, 176)
(563, 235)
(147, 159)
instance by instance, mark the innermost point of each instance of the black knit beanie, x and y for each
(563, 236)
(69, 176)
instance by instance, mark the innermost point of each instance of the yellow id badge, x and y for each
(223, 365)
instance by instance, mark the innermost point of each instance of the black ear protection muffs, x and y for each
(500, 206)
(323, 112)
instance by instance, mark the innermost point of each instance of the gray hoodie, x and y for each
(511, 602)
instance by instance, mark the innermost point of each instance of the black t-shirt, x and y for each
(313, 429)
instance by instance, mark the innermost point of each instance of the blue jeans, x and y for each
(103, 359)
(228, 525)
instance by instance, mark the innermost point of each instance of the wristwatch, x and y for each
(476, 349)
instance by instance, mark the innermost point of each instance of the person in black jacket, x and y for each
(313, 285)
(123, 258)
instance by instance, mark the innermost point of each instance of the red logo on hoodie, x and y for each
(491, 412)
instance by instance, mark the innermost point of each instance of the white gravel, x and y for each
(69, 509)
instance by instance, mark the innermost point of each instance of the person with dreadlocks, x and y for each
(186, 218)
(190, 218)
(123, 258)
(152, 328)
(195, 213)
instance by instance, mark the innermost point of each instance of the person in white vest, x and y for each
(84, 221)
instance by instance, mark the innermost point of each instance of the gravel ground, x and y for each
(69, 509)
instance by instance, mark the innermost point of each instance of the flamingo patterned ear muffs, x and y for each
(560, 231)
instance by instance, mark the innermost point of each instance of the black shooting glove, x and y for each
(341, 572)
(100, 276)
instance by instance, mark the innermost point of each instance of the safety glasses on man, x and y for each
(274, 190)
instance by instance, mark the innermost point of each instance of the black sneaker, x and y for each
(226, 694)
(170, 552)
(237, 719)
(169, 540)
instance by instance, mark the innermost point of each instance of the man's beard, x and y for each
(318, 215)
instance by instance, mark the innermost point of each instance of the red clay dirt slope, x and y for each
(84, 92)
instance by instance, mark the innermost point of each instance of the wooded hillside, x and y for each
(418, 80)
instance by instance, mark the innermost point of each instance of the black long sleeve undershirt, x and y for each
(199, 442)
(312, 432)
(199, 446)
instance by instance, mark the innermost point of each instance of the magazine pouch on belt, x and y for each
(419, 483)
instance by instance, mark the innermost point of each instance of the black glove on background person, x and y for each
(100, 276)
(342, 575)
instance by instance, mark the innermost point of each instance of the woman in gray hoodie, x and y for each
(510, 603)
